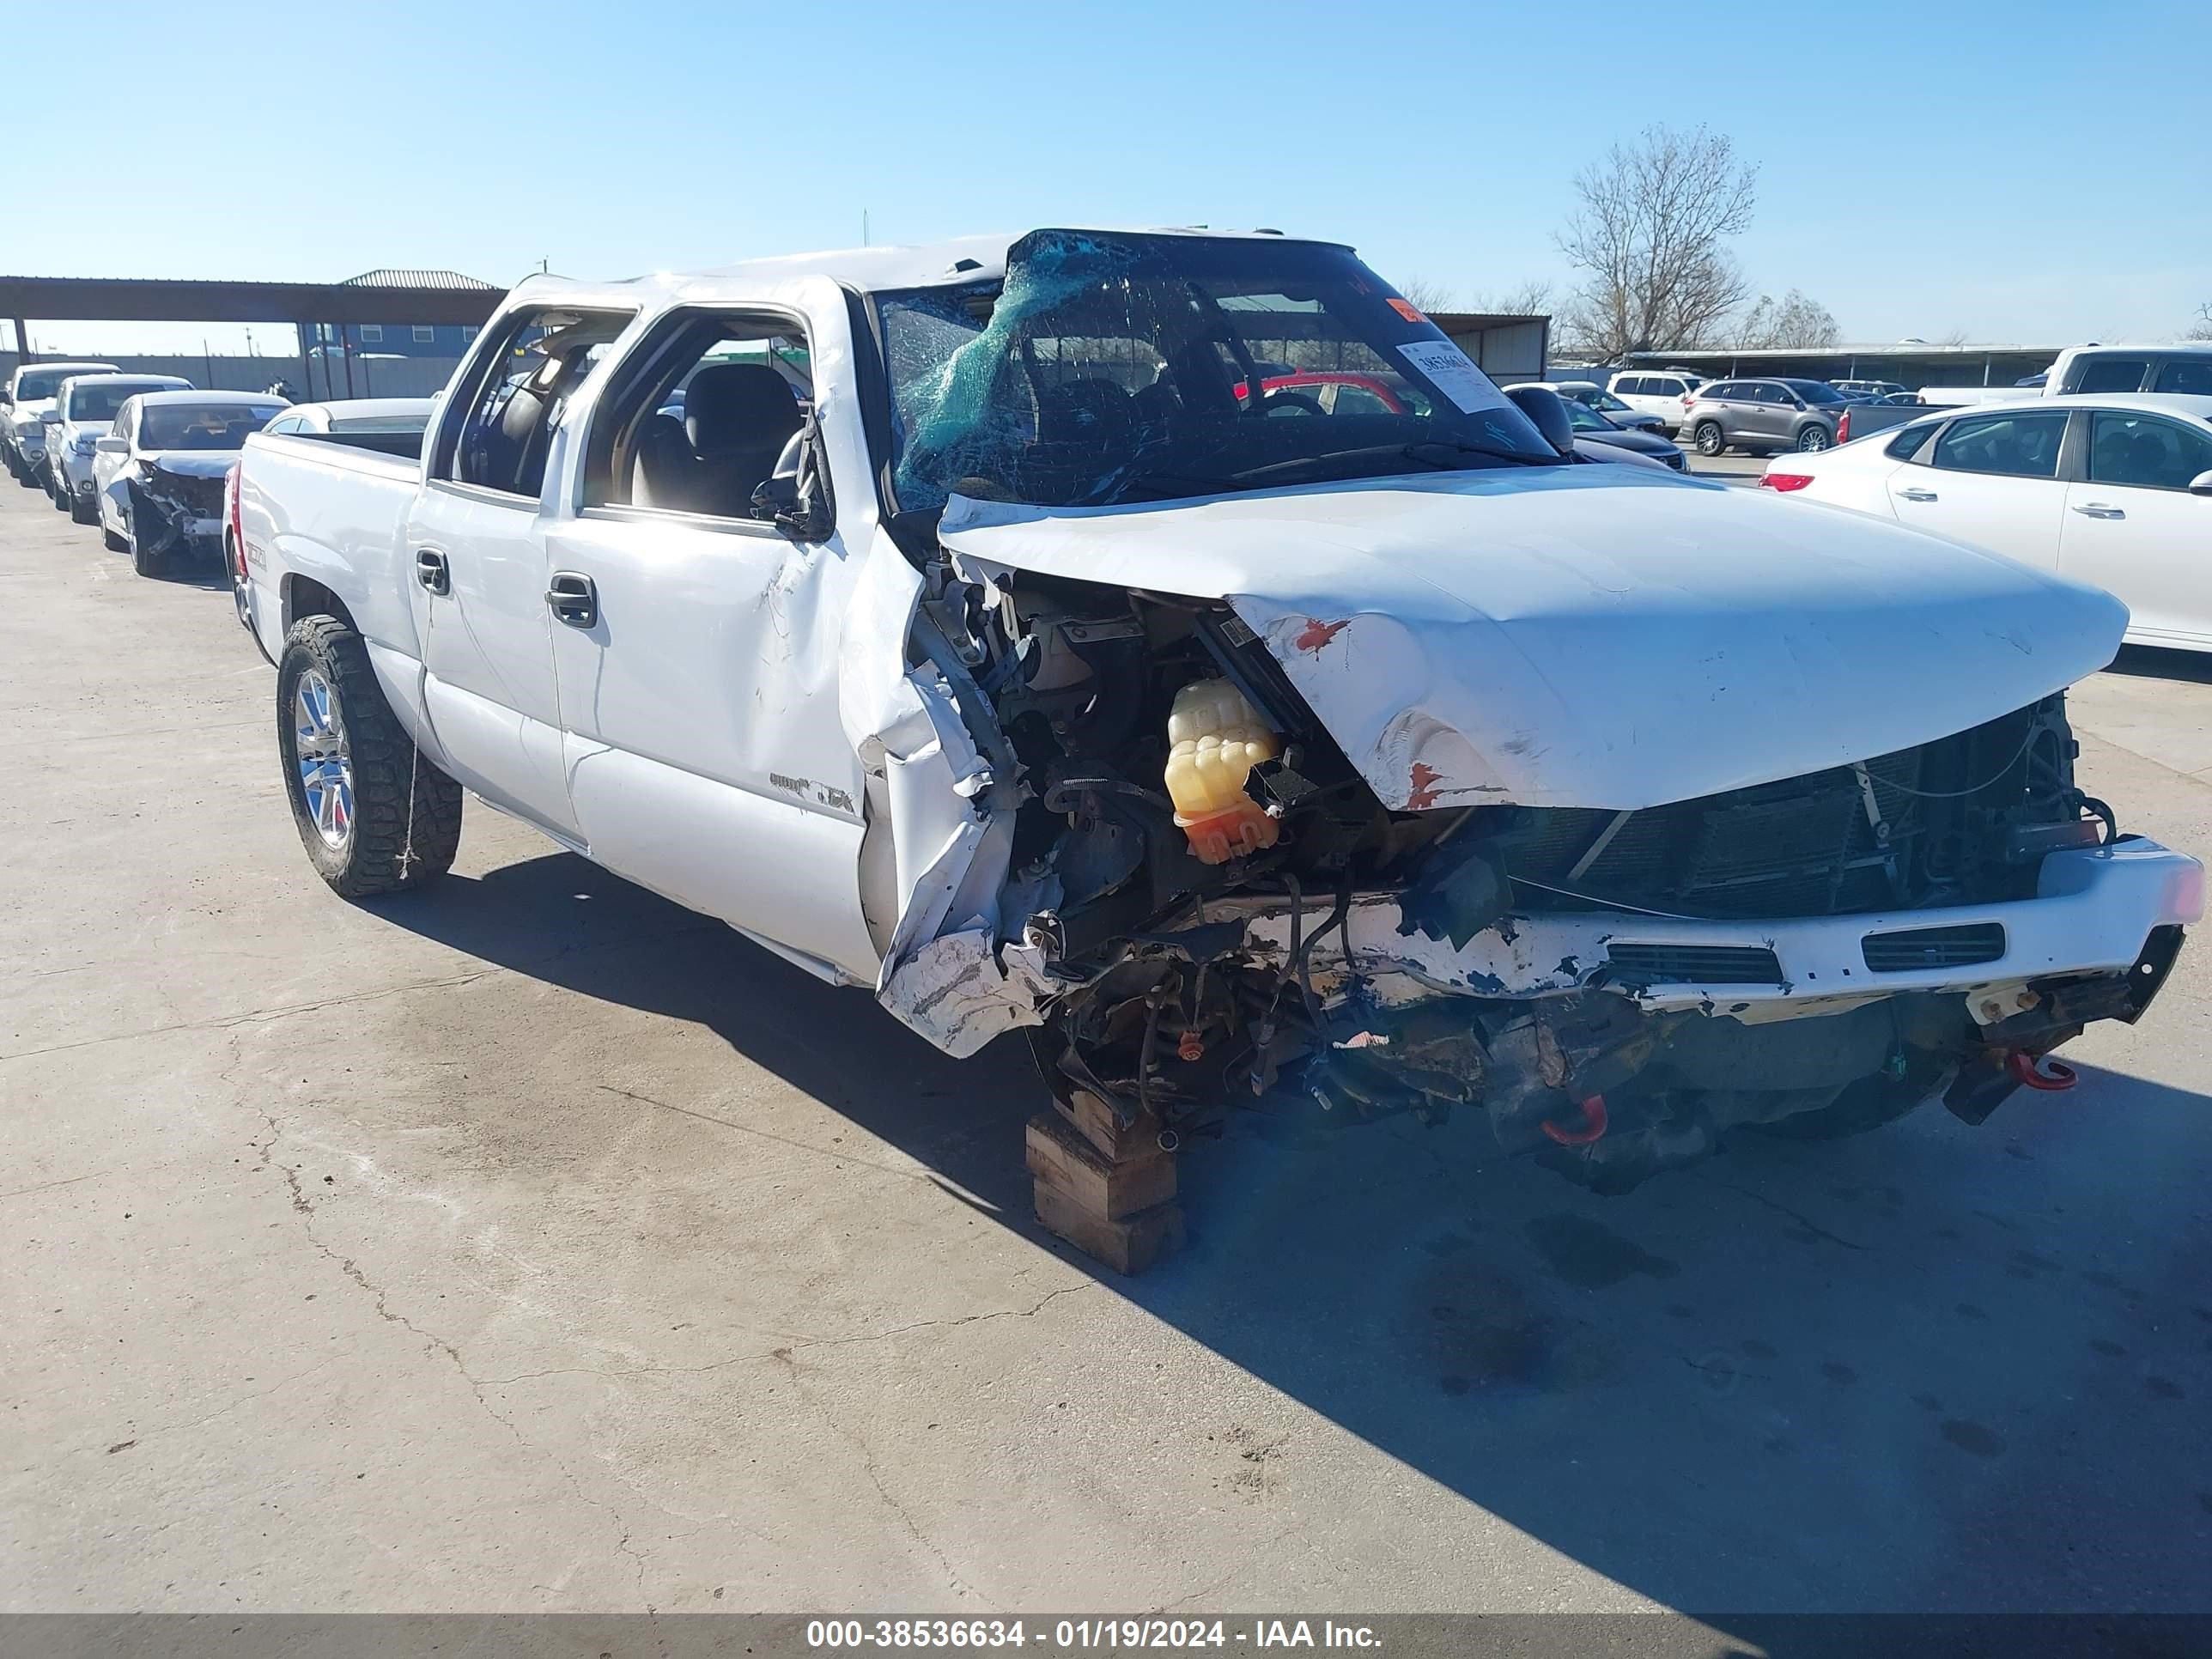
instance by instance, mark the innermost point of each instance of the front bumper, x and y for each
(2094, 911)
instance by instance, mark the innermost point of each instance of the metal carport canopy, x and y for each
(136, 300)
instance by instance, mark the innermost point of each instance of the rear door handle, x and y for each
(574, 598)
(2099, 510)
(1916, 494)
(430, 570)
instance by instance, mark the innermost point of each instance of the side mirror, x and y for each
(111, 445)
(779, 501)
(1543, 407)
(2201, 484)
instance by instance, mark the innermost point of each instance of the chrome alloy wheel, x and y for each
(325, 763)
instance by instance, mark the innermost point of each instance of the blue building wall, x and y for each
(390, 339)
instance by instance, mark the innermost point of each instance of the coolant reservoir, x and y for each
(1215, 740)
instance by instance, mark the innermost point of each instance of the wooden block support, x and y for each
(1128, 1246)
(1120, 1210)
(1109, 1188)
(1095, 1121)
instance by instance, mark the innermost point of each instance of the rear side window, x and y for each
(1910, 439)
(1665, 386)
(2112, 374)
(516, 403)
(2145, 452)
(2191, 376)
(2018, 445)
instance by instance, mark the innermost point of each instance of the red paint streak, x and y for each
(1318, 633)
(1425, 791)
(1594, 1123)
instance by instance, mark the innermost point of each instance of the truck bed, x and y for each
(335, 513)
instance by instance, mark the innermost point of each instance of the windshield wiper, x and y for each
(1465, 448)
(1167, 484)
(1279, 470)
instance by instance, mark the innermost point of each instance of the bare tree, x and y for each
(1793, 320)
(1530, 299)
(2202, 328)
(1425, 295)
(1956, 337)
(1650, 239)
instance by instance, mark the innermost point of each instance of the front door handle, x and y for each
(2099, 510)
(430, 570)
(1916, 494)
(574, 598)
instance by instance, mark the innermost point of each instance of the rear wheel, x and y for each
(1813, 439)
(1710, 438)
(374, 816)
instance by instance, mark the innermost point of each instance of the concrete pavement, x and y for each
(532, 1244)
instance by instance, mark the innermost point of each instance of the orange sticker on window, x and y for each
(1406, 309)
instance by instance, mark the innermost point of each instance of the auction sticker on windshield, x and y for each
(1449, 371)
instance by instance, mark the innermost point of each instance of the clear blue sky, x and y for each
(2033, 171)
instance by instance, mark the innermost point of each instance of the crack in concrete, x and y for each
(1798, 1216)
(959, 1586)
(432, 1342)
(785, 1350)
(256, 1016)
(769, 1134)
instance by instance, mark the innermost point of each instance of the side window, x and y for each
(1665, 386)
(2018, 446)
(517, 398)
(1633, 385)
(2111, 375)
(2145, 452)
(2190, 376)
(1909, 440)
(287, 423)
(710, 409)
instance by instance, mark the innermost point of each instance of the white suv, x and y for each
(1663, 393)
(23, 409)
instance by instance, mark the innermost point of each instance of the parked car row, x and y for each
(141, 456)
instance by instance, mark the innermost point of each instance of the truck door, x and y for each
(476, 551)
(696, 645)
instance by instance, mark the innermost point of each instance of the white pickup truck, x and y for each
(971, 624)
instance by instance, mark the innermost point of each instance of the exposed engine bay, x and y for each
(1222, 916)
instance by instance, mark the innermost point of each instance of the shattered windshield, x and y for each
(1112, 368)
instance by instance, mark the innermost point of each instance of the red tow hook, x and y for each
(1592, 1124)
(2036, 1072)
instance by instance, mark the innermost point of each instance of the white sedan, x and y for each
(2115, 490)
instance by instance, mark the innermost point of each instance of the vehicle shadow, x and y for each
(1929, 1369)
(2157, 662)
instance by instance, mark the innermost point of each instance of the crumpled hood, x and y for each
(193, 463)
(1605, 636)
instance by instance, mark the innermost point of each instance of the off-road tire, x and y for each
(379, 856)
(1709, 438)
